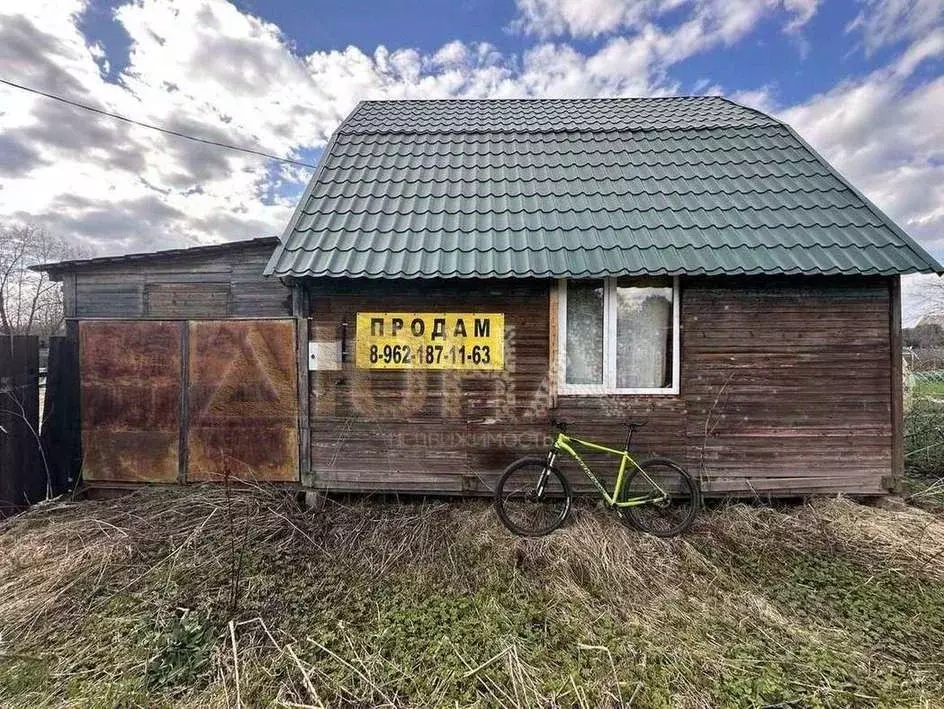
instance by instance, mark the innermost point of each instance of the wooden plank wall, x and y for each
(225, 283)
(187, 300)
(785, 389)
(791, 381)
(435, 431)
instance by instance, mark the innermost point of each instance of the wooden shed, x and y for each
(187, 365)
(457, 272)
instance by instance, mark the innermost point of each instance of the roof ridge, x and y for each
(546, 131)
(579, 248)
(547, 99)
(745, 107)
(417, 116)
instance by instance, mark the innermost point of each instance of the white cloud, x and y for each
(884, 22)
(620, 68)
(583, 18)
(717, 21)
(207, 68)
(636, 63)
(802, 11)
(928, 47)
(762, 99)
(885, 134)
(649, 47)
(453, 54)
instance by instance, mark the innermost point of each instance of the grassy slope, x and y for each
(932, 387)
(924, 439)
(131, 601)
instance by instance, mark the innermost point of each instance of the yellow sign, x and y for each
(471, 341)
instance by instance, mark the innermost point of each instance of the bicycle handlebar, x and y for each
(562, 425)
(559, 424)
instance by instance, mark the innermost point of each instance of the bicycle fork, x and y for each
(546, 472)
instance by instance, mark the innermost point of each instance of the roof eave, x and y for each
(56, 268)
(697, 273)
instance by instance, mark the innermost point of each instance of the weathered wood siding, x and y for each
(437, 431)
(792, 382)
(225, 283)
(786, 388)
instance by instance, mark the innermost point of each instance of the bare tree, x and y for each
(936, 296)
(29, 302)
(922, 299)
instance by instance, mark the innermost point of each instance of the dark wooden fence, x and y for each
(40, 455)
(22, 476)
(61, 429)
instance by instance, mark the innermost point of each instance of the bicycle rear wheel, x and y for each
(532, 499)
(672, 493)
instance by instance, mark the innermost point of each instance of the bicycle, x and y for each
(657, 496)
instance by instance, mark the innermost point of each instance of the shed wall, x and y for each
(227, 283)
(785, 389)
(793, 383)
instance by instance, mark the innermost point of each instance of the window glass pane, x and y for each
(643, 333)
(584, 336)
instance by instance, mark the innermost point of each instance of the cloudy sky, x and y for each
(861, 80)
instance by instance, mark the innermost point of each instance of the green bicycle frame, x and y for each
(564, 442)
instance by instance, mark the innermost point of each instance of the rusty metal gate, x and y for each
(177, 401)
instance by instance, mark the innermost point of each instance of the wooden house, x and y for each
(457, 272)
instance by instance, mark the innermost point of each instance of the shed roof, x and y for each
(56, 268)
(581, 188)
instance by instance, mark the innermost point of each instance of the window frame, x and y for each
(609, 344)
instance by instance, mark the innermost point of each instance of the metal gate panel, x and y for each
(130, 400)
(243, 400)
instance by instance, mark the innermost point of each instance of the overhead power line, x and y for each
(151, 126)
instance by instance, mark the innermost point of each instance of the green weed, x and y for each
(433, 604)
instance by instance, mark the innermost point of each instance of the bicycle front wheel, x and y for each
(667, 495)
(532, 499)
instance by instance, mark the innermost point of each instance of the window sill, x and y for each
(577, 390)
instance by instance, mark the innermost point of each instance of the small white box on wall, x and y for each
(324, 356)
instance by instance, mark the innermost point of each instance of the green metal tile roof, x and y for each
(580, 188)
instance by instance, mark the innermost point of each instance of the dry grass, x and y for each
(201, 598)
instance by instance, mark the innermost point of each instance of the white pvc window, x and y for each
(619, 336)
